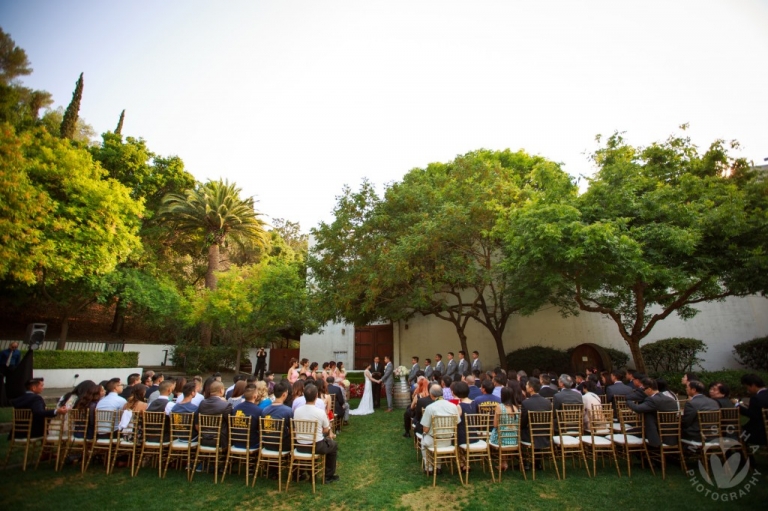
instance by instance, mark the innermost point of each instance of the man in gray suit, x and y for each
(653, 403)
(413, 371)
(476, 364)
(697, 402)
(452, 368)
(439, 366)
(428, 369)
(463, 364)
(388, 381)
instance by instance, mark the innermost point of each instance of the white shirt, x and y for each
(308, 412)
(198, 399)
(111, 401)
(301, 401)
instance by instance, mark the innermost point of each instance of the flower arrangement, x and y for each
(345, 383)
(401, 371)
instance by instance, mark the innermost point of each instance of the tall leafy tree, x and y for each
(19, 105)
(216, 211)
(119, 129)
(69, 122)
(660, 229)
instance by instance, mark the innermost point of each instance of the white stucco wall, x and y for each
(335, 342)
(68, 378)
(151, 354)
(720, 325)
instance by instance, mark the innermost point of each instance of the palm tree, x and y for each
(216, 211)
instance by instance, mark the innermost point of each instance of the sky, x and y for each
(292, 100)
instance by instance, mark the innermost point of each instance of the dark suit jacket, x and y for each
(422, 402)
(127, 391)
(15, 358)
(336, 391)
(158, 405)
(535, 403)
(754, 427)
(690, 420)
(567, 396)
(637, 395)
(649, 407)
(214, 406)
(617, 389)
(36, 403)
(547, 391)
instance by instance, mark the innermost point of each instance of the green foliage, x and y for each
(19, 105)
(660, 229)
(543, 358)
(69, 122)
(119, 128)
(753, 354)
(731, 377)
(85, 359)
(676, 354)
(195, 358)
(618, 358)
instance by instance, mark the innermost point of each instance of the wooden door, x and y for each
(280, 358)
(372, 341)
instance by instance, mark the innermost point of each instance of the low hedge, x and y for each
(85, 359)
(731, 377)
(753, 354)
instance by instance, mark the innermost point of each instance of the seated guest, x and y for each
(300, 400)
(688, 377)
(461, 391)
(664, 390)
(32, 400)
(599, 391)
(111, 402)
(638, 393)
(88, 402)
(567, 393)
(235, 397)
(720, 392)
(269, 377)
(506, 413)
(146, 379)
(235, 379)
(474, 390)
(486, 394)
(617, 387)
(421, 391)
(654, 402)
(186, 403)
(198, 381)
(421, 400)
(579, 381)
(439, 407)
(534, 403)
(133, 379)
(262, 394)
(499, 382)
(177, 394)
(136, 401)
(249, 408)
(631, 376)
(545, 389)
(590, 400)
(157, 379)
(754, 429)
(697, 402)
(341, 406)
(446, 383)
(216, 405)
(278, 410)
(323, 440)
(160, 404)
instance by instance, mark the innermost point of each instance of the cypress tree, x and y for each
(69, 122)
(119, 129)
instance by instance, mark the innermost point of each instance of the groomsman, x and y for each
(463, 364)
(452, 367)
(388, 380)
(414, 370)
(428, 369)
(476, 364)
(439, 366)
(376, 367)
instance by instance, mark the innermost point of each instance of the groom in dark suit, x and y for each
(376, 367)
(32, 400)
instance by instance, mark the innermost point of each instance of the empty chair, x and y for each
(599, 442)
(476, 448)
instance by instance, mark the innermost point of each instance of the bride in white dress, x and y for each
(366, 403)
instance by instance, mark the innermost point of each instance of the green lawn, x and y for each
(378, 470)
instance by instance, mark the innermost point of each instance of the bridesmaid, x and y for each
(341, 373)
(293, 372)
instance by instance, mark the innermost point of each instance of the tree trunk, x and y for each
(237, 359)
(206, 330)
(119, 319)
(62, 342)
(637, 355)
(500, 350)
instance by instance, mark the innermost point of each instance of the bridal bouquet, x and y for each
(401, 371)
(345, 383)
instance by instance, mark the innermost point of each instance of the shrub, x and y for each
(619, 359)
(195, 358)
(731, 377)
(753, 354)
(539, 357)
(85, 359)
(676, 354)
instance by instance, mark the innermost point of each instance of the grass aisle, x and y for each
(378, 470)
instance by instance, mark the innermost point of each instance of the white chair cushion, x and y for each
(181, 444)
(242, 450)
(628, 439)
(156, 444)
(207, 448)
(442, 450)
(504, 448)
(566, 440)
(105, 441)
(420, 436)
(477, 446)
(527, 444)
(273, 454)
(126, 442)
(303, 455)
(598, 440)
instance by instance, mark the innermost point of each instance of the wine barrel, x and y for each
(590, 355)
(401, 394)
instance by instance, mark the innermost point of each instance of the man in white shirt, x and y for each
(439, 407)
(324, 443)
(112, 401)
